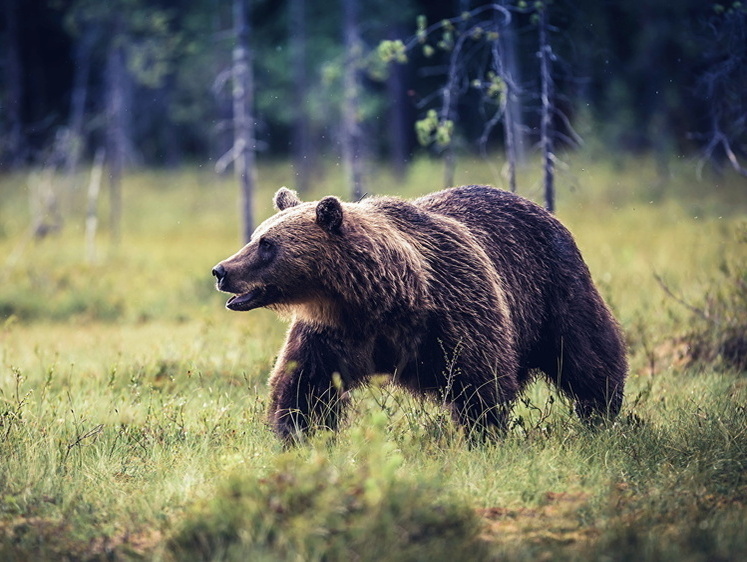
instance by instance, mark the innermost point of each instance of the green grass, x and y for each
(132, 403)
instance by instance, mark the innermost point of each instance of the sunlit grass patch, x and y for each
(311, 507)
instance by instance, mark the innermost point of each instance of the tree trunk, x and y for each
(301, 144)
(82, 67)
(450, 94)
(546, 128)
(351, 133)
(449, 165)
(115, 133)
(243, 120)
(510, 138)
(173, 154)
(14, 84)
(512, 121)
(92, 216)
(398, 126)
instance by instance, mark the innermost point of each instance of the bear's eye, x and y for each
(266, 249)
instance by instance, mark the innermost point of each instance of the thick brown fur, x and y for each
(462, 295)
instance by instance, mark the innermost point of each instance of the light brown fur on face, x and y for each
(461, 295)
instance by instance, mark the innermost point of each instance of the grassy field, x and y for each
(132, 403)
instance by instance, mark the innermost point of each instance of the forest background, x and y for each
(133, 405)
(628, 76)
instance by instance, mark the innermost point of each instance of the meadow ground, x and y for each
(132, 403)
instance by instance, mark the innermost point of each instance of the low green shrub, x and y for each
(310, 509)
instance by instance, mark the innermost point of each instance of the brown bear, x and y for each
(462, 295)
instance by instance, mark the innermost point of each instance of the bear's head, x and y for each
(329, 262)
(281, 263)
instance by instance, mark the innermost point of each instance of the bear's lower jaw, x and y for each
(256, 298)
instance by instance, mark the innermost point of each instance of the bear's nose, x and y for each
(219, 272)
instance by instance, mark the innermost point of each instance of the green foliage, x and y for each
(451, 37)
(178, 58)
(146, 33)
(493, 86)
(734, 7)
(392, 51)
(386, 52)
(431, 129)
(422, 31)
(307, 508)
(446, 43)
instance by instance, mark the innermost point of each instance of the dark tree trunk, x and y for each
(397, 122)
(173, 155)
(243, 120)
(352, 141)
(78, 96)
(512, 122)
(449, 165)
(92, 214)
(546, 128)
(301, 144)
(115, 132)
(450, 95)
(14, 84)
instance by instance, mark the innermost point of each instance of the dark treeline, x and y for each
(656, 75)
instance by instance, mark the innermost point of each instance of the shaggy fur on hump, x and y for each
(462, 295)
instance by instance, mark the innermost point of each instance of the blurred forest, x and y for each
(151, 80)
(133, 405)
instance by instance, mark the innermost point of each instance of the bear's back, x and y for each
(533, 253)
(515, 232)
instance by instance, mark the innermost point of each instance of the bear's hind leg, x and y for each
(591, 373)
(599, 406)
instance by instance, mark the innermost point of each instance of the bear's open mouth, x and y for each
(256, 298)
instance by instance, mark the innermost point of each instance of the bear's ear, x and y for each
(329, 214)
(285, 199)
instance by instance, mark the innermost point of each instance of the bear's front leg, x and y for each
(306, 384)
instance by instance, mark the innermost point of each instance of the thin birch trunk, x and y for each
(397, 120)
(301, 128)
(546, 129)
(351, 134)
(115, 134)
(512, 121)
(92, 218)
(14, 95)
(243, 121)
(78, 96)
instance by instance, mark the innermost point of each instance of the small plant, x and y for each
(718, 332)
(12, 412)
(310, 509)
